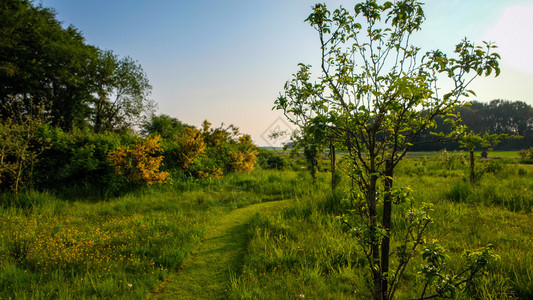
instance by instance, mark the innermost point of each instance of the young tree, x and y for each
(20, 147)
(371, 91)
(310, 141)
(470, 141)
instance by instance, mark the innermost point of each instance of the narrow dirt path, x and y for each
(205, 273)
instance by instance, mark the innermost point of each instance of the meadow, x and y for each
(123, 247)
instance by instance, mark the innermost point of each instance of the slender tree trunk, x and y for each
(332, 157)
(472, 162)
(314, 169)
(385, 243)
(374, 237)
(350, 152)
(18, 176)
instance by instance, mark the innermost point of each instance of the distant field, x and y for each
(415, 154)
(502, 154)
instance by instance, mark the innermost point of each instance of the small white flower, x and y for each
(302, 296)
(130, 285)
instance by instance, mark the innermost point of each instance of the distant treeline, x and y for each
(497, 116)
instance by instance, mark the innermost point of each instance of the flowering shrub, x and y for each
(214, 172)
(191, 146)
(140, 164)
(211, 152)
(244, 159)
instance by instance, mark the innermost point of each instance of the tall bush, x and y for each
(140, 164)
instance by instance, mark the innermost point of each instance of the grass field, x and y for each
(53, 248)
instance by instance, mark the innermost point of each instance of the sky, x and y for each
(227, 61)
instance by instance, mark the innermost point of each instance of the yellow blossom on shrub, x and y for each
(214, 173)
(192, 145)
(242, 161)
(141, 163)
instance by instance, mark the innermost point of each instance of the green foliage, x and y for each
(445, 283)
(81, 85)
(20, 145)
(76, 164)
(526, 155)
(270, 160)
(122, 90)
(165, 126)
(495, 117)
(213, 152)
(45, 62)
(374, 95)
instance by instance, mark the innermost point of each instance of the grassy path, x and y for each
(205, 274)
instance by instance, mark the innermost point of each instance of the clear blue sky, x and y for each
(227, 61)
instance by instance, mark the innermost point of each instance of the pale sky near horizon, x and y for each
(227, 61)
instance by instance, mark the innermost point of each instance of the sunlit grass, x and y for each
(304, 251)
(124, 247)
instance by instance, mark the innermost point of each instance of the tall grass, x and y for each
(305, 252)
(52, 248)
(121, 248)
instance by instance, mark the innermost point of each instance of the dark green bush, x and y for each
(76, 163)
(526, 155)
(269, 160)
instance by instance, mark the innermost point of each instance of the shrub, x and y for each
(526, 155)
(191, 146)
(269, 160)
(76, 163)
(140, 164)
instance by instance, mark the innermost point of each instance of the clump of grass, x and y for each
(514, 194)
(459, 192)
(299, 251)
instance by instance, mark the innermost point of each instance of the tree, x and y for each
(470, 141)
(309, 140)
(79, 83)
(496, 117)
(312, 138)
(121, 93)
(377, 93)
(20, 146)
(165, 126)
(44, 63)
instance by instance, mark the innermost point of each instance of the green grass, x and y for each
(502, 154)
(125, 247)
(99, 250)
(304, 251)
(58, 249)
(206, 272)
